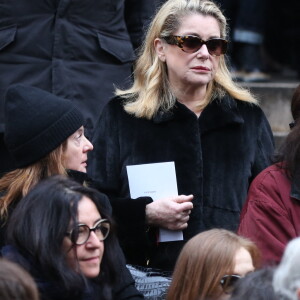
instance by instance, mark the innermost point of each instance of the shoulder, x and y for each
(115, 108)
(271, 181)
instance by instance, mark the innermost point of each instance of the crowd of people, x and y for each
(68, 215)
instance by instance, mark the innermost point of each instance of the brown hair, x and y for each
(288, 156)
(204, 260)
(16, 283)
(16, 184)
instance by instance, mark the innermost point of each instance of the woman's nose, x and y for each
(88, 145)
(93, 240)
(203, 52)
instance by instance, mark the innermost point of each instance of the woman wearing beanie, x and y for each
(45, 136)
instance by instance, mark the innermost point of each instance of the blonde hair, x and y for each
(17, 183)
(204, 260)
(151, 89)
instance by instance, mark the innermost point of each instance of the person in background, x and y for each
(16, 283)
(271, 213)
(77, 50)
(210, 264)
(247, 19)
(257, 285)
(45, 136)
(183, 107)
(286, 279)
(62, 235)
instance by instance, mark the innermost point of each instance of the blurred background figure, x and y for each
(270, 216)
(210, 264)
(286, 281)
(247, 22)
(257, 285)
(16, 283)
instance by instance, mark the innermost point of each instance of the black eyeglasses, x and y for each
(228, 281)
(81, 233)
(191, 44)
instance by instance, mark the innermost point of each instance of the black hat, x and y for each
(37, 122)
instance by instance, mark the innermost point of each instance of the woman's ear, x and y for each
(159, 46)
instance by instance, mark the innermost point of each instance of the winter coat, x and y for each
(271, 213)
(216, 156)
(125, 287)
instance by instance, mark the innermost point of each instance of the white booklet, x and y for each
(157, 181)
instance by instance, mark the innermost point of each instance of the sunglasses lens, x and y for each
(216, 46)
(228, 282)
(191, 44)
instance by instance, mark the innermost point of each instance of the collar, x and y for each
(295, 190)
(78, 176)
(218, 113)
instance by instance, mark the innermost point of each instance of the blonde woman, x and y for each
(210, 264)
(183, 107)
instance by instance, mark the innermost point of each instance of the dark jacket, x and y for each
(125, 287)
(216, 156)
(270, 216)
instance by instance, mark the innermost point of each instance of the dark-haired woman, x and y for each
(45, 136)
(62, 235)
(271, 215)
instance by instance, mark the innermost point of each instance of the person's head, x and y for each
(207, 262)
(256, 285)
(286, 279)
(288, 155)
(295, 104)
(16, 283)
(38, 123)
(66, 229)
(174, 56)
(44, 135)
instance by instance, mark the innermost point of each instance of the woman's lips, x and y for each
(92, 259)
(201, 68)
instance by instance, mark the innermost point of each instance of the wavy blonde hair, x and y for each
(151, 90)
(15, 184)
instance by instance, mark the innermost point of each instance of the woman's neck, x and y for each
(192, 99)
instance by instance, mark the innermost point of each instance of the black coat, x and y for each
(216, 157)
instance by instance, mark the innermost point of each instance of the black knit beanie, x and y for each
(36, 123)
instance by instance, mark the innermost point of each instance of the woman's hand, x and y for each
(170, 213)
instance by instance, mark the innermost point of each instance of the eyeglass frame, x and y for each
(69, 233)
(222, 281)
(178, 41)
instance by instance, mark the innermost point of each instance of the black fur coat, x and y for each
(216, 157)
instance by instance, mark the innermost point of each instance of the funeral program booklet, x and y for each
(158, 181)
